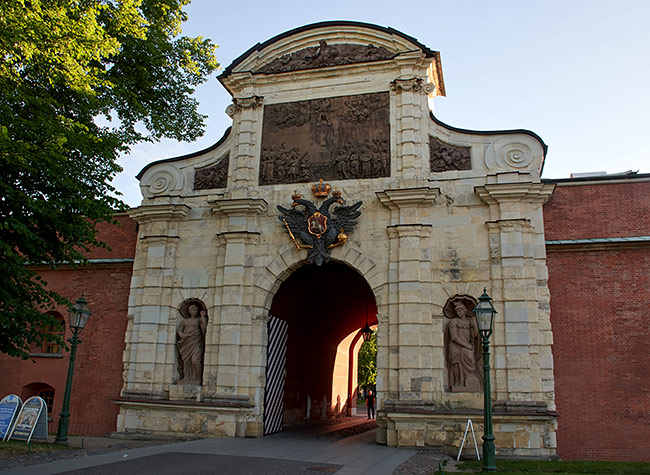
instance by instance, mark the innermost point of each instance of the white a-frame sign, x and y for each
(9, 407)
(31, 421)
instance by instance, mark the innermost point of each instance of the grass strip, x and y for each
(590, 467)
(14, 448)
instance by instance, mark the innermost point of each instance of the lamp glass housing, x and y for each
(79, 314)
(484, 312)
(366, 332)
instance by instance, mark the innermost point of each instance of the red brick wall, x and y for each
(98, 366)
(599, 313)
(598, 210)
(121, 239)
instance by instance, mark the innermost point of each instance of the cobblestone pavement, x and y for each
(427, 461)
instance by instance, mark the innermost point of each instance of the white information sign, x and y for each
(31, 421)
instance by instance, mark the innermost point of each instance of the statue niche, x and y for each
(190, 341)
(462, 345)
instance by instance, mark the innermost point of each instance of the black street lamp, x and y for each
(366, 332)
(78, 315)
(484, 313)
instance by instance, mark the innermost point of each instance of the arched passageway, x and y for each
(325, 308)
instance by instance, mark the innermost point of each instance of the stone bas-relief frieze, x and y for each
(334, 138)
(462, 345)
(325, 55)
(444, 157)
(190, 341)
(212, 177)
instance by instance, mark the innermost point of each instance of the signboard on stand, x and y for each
(9, 407)
(31, 421)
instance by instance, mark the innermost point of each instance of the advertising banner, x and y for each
(31, 421)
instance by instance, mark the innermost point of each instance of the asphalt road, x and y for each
(174, 463)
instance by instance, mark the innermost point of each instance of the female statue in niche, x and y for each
(190, 341)
(462, 345)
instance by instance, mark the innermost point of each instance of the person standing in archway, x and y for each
(370, 404)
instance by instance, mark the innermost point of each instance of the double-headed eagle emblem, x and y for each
(317, 228)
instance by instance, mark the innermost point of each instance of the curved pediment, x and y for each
(324, 55)
(327, 44)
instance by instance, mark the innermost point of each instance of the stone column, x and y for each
(522, 339)
(151, 331)
(236, 362)
(408, 338)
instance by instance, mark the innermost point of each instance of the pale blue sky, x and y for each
(576, 73)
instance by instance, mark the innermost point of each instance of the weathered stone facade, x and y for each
(424, 236)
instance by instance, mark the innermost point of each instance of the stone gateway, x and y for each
(227, 243)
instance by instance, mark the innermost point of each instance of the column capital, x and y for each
(408, 197)
(241, 103)
(239, 206)
(159, 212)
(528, 192)
(510, 225)
(414, 84)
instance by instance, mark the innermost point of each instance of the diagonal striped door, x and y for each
(276, 357)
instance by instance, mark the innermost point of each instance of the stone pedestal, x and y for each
(185, 392)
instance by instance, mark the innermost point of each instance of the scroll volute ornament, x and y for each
(462, 345)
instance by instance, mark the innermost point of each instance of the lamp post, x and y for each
(484, 313)
(78, 315)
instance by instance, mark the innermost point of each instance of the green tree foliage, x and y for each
(80, 82)
(367, 375)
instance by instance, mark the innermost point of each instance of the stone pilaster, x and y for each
(248, 114)
(407, 341)
(151, 331)
(522, 339)
(410, 95)
(236, 362)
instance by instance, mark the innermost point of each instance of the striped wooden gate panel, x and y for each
(276, 357)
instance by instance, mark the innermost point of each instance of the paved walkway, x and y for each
(282, 454)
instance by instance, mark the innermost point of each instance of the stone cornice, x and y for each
(408, 197)
(220, 404)
(510, 192)
(160, 212)
(239, 206)
(598, 244)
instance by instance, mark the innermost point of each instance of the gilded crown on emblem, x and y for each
(321, 190)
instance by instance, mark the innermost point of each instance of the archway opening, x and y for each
(325, 308)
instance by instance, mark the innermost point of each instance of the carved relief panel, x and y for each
(462, 345)
(325, 55)
(335, 138)
(212, 177)
(444, 157)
